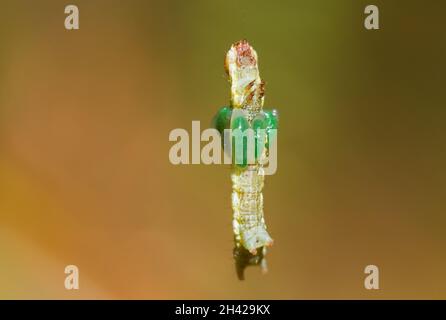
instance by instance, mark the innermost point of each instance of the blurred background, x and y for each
(85, 177)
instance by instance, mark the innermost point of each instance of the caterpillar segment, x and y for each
(247, 204)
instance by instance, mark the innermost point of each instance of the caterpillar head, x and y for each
(242, 68)
(255, 238)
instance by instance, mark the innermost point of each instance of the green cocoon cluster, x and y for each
(266, 120)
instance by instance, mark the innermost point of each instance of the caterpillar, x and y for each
(246, 111)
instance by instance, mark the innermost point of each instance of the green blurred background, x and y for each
(85, 177)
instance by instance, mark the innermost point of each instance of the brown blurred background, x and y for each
(85, 177)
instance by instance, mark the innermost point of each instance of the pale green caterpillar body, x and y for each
(246, 110)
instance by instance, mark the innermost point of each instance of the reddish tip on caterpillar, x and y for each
(245, 55)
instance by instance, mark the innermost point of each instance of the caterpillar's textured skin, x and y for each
(247, 93)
